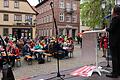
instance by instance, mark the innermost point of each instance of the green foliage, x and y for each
(92, 13)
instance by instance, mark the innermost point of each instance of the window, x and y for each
(51, 18)
(45, 8)
(61, 17)
(28, 17)
(74, 18)
(6, 17)
(17, 17)
(68, 5)
(5, 32)
(6, 3)
(61, 4)
(39, 21)
(16, 4)
(44, 19)
(42, 31)
(48, 19)
(39, 10)
(68, 18)
(42, 10)
(61, 31)
(74, 6)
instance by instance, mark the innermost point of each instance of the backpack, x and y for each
(41, 60)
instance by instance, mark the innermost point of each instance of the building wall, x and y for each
(70, 25)
(11, 18)
(61, 25)
(24, 6)
(24, 9)
(44, 27)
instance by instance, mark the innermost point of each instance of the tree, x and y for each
(91, 12)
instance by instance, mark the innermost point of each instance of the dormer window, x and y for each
(16, 4)
(6, 3)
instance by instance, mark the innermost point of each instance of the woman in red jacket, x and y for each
(104, 44)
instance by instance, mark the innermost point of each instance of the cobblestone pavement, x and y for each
(48, 67)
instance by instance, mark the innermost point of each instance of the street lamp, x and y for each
(103, 5)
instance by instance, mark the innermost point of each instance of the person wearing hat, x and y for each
(114, 42)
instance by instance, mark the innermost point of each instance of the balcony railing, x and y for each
(24, 24)
(69, 10)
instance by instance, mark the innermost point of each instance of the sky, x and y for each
(33, 2)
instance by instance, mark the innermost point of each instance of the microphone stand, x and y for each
(58, 72)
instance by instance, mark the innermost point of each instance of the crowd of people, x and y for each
(22, 47)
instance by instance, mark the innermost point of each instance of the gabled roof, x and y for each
(32, 7)
(35, 9)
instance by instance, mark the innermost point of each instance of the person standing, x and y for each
(104, 44)
(114, 42)
(78, 39)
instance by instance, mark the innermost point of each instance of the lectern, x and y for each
(89, 53)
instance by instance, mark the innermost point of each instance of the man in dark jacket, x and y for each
(26, 49)
(114, 42)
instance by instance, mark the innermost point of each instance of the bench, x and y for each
(29, 59)
(48, 56)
